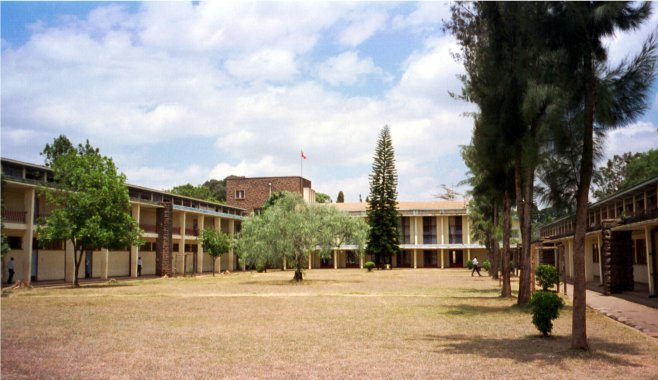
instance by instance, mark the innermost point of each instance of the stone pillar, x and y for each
(231, 256)
(651, 260)
(134, 250)
(105, 258)
(606, 233)
(181, 264)
(28, 237)
(164, 244)
(199, 254)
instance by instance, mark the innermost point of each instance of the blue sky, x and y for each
(184, 92)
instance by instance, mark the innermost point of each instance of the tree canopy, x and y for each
(215, 243)
(383, 217)
(322, 198)
(292, 230)
(623, 171)
(91, 206)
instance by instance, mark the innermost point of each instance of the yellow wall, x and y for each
(118, 263)
(50, 265)
(148, 262)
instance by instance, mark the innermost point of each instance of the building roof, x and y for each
(407, 206)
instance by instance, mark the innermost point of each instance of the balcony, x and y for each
(191, 232)
(10, 216)
(148, 228)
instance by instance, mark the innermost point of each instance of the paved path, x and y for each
(633, 314)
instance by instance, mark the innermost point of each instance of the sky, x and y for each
(182, 92)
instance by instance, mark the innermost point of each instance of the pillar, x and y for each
(652, 265)
(164, 244)
(468, 254)
(598, 245)
(69, 262)
(28, 237)
(361, 261)
(442, 260)
(335, 259)
(310, 260)
(606, 225)
(415, 259)
(285, 263)
(231, 257)
(199, 254)
(105, 258)
(134, 250)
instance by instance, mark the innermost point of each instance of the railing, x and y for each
(14, 216)
(148, 228)
(175, 230)
(191, 232)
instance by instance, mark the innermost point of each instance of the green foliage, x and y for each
(217, 188)
(486, 264)
(61, 146)
(622, 172)
(383, 217)
(322, 198)
(274, 198)
(198, 192)
(341, 197)
(91, 206)
(215, 243)
(642, 168)
(545, 308)
(260, 268)
(369, 266)
(469, 264)
(291, 229)
(547, 276)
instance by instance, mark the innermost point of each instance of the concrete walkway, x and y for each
(640, 317)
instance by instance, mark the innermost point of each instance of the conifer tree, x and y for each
(383, 239)
(341, 197)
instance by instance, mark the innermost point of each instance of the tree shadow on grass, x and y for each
(291, 281)
(533, 348)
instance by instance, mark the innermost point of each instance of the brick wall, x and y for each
(163, 246)
(257, 190)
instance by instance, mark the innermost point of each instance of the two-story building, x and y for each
(171, 225)
(621, 241)
(251, 193)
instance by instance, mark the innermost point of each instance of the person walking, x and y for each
(476, 267)
(139, 266)
(11, 267)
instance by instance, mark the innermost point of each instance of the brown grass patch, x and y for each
(345, 323)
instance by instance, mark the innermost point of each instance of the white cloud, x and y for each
(428, 16)
(264, 65)
(635, 138)
(362, 25)
(347, 69)
(626, 45)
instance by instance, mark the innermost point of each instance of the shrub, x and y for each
(260, 268)
(486, 264)
(545, 308)
(369, 265)
(469, 264)
(546, 276)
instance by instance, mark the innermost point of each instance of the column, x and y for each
(217, 225)
(310, 260)
(415, 259)
(28, 237)
(651, 262)
(442, 260)
(468, 254)
(69, 262)
(105, 258)
(285, 264)
(199, 254)
(607, 256)
(180, 256)
(335, 259)
(134, 250)
(361, 261)
(231, 258)
(598, 245)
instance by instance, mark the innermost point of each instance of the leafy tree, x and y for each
(341, 197)
(607, 179)
(598, 98)
(322, 198)
(61, 146)
(547, 276)
(215, 243)
(91, 203)
(199, 192)
(217, 189)
(448, 194)
(641, 168)
(383, 240)
(293, 230)
(545, 308)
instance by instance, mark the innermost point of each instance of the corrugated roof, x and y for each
(406, 206)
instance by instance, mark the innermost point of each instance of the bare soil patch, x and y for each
(338, 323)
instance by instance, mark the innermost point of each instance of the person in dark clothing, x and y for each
(476, 267)
(11, 267)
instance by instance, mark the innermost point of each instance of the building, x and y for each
(432, 235)
(620, 245)
(251, 194)
(171, 225)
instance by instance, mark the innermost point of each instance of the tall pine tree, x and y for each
(383, 239)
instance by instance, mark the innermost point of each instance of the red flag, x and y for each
(303, 155)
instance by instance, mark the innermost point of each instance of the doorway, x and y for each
(35, 264)
(89, 255)
(456, 258)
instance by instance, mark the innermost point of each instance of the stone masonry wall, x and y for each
(257, 190)
(164, 244)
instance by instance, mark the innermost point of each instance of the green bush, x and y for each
(260, 268)
(545, 308)
(469, 264)
(369, 265)
(486, 265)
(546, 276)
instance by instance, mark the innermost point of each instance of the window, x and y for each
(258, 211)
(595, 252)
(56, 245)
(15, 242)
(175, 249)
(405, 229)
(640, 252)
(455, 230)
(239, 194)
(148, 247)
(429, 230)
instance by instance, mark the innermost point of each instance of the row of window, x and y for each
(455, 231)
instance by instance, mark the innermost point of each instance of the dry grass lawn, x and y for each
(336, 324)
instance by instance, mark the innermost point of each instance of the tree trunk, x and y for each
(77, 258)
(505, 257)
(525, 288)
(298, 274)
(213, 266)
(579, 320)
(495, 263)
